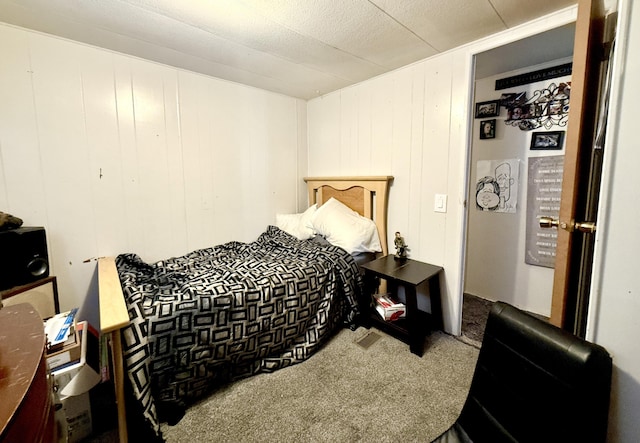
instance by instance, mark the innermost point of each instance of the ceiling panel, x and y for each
(357, 27)
(446, 25)
(302, 48)
(516, 13)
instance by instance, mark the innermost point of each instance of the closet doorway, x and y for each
(500, 157)
(566, 181)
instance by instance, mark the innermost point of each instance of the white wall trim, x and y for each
(611, 140)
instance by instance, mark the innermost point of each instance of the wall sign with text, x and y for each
(543, 199)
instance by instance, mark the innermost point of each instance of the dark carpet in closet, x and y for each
(475, 311)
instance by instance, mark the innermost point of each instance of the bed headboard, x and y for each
(368, 196)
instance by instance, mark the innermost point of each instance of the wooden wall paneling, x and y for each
(415, 156)
(174, 212)
(281, 167)
(103, 145)
(273, 160)
(361, 155)
(302, 155)
(66, 165)
(131, 196)
(152, 157)
(324, 134)
(348, 130)
(437, 116)
(400, 153)
(232, 125)
(221, 168)
(380, 159)
(257, 152)
(23, 189)
(196, 159)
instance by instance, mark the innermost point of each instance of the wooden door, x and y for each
(574, 247)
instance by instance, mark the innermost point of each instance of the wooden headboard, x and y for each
(365, 195)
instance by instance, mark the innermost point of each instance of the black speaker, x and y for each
(23, 256)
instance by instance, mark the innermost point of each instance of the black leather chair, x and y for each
(534, 382)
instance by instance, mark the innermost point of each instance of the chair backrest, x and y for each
(534, 382)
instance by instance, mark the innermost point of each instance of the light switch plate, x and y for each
(440, 204)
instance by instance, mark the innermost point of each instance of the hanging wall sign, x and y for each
(547, 107)
(543, 199)
(535, 76)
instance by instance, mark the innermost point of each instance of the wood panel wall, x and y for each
(115, 154)
(402, 124)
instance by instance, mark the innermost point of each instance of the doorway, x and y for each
(496, 266)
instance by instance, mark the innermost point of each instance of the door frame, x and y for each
(546, 23)
(575, 249)
(615, 98)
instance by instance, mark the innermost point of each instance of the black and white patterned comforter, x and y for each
(230, 311)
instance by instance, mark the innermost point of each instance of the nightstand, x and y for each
(409, 274)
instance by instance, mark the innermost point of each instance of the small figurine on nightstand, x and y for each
(401, 247)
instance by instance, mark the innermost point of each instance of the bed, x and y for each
(180, 326)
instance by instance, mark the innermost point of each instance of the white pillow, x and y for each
(345, 228)
(298, 225)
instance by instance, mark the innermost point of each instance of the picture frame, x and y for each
(508, 99)
(511, 99)
(489, 108)
(518, 112)
(551, 140)
(487, 129)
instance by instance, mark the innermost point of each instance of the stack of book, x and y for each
(63, 344)
(74, 379)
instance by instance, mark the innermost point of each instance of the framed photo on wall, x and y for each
(487, 129)
(547, 140)
(488, 109)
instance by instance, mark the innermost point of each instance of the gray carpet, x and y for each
(345, 393)
(475, 311)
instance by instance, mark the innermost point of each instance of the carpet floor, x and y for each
(475, 311)
(345, 393)
(361, 386)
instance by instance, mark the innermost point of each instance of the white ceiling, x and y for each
(301, 48)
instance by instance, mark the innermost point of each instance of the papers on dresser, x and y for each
(63, 344)
(60, 329)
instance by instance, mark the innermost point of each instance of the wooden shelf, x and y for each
(400, 328)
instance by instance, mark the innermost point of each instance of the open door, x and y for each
(581, 179)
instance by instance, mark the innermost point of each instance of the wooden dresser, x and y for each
(26, 408)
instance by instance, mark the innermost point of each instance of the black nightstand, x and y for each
(409, 274)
